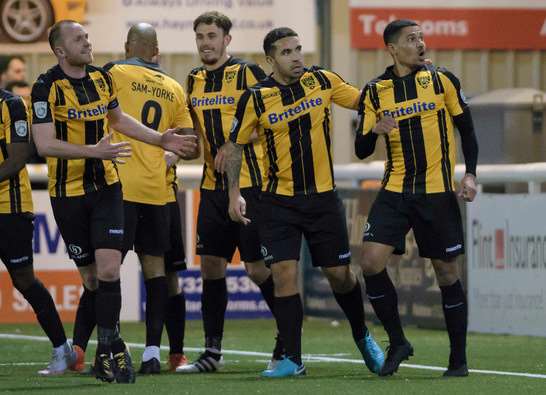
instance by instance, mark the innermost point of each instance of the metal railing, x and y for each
(533, 174)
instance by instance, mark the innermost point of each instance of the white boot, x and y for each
(61, 358)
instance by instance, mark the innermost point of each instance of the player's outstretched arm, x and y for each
(48, 145)
(169, 140)
(233, 158)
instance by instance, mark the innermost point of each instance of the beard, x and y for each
(210, 61)
(80, 60)
(212, 58)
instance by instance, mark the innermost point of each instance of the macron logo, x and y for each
(454, 248)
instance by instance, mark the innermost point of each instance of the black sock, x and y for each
(213, 307)
(456, 316)
(118, 345)
(268, 293)
(156, 305)
(382, 296)
(289, 315)
(85, 318)
(107, 309)
(175, 322)
(352, 305)
(46, 313)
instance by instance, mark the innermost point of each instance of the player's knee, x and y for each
(447, 272)
(446, 277)
(341, 278)
(213, 267)
(372, 261)
(108, 272)
(108, 263)
(22, 279)
(90, 281)
(89, 277)
(152, 266)
(257, 271)
(285, 278)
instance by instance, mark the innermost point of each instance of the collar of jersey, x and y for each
(272, 81)
(390, 74)
(220, 70)
(66, 76)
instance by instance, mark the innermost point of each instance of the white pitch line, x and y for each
(305, 357)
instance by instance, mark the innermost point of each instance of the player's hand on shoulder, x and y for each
(469, 188)
(182, 145)
(237, 210)
(385, 125)
(105, 149)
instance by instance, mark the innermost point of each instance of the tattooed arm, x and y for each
(237, 205)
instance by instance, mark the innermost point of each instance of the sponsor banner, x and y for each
(173, 20)
(454, 28)
(244, 297)
(507, 264)
(64, 286)
(59, 274)
(419, 298)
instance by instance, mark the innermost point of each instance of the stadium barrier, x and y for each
(505, 265)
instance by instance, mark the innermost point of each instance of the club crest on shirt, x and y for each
(40, 109)
(424, 81)
(309, 82)
(230, 75)
(101, 84)
(21, 128)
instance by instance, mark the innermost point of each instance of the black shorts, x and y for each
(90, 222)
(175, 257)
(218, 235)
(435, 219)
(146, 228)
(17, 231)
(320, 218)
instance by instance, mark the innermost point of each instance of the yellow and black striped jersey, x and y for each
(295, 120)
(78, 110)
(421, 152)
(146, 93)
(15, 193)
(213, 96)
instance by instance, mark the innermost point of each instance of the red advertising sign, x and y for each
(63, 285)
(457, 28)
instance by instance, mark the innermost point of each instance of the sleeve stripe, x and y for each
(241, 80)
(239, 116)
(258, 102)
(374, 97)
(323, 77)
(257, 71)
(60, 99)
(457, 86)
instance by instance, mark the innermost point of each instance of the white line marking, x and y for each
(305, 357)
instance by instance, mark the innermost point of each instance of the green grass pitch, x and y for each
(21, 358)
